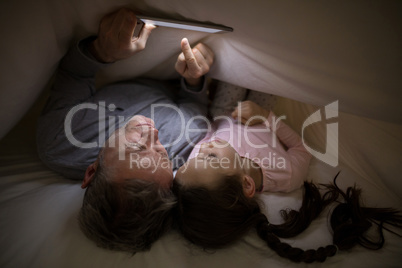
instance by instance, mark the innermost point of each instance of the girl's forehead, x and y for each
(200, 171)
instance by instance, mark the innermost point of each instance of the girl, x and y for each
(216, 189)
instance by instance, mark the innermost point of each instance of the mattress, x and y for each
(39, 208)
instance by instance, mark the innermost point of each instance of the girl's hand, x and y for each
(250, 113)
(192, 64)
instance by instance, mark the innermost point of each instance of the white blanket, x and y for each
(312, 52)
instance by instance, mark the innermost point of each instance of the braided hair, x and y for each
(216, 218)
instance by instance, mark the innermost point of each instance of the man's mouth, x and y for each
(145, 124)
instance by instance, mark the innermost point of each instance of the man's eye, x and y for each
(135, 146)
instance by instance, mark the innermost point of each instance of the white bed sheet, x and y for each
(38, 216)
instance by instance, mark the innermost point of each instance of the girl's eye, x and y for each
(212, 155)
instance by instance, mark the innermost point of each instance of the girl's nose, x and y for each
(207, 145)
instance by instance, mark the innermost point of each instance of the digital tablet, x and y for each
(178, 24)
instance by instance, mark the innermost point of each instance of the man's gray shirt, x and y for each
(92, 116)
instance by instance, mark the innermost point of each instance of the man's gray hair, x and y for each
(127, 216)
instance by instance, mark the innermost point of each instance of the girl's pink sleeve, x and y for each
(298, 156)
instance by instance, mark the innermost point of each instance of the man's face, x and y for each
(135, 152)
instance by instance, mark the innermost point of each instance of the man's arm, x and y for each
(74, 81)
(75, 77)
(74, 85)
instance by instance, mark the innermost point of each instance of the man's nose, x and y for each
(154, 142)
(155, 134)
(150, 136)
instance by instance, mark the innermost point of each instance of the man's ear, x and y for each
(248, 186)
(89, 174)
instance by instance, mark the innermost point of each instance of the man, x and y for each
(127, 178)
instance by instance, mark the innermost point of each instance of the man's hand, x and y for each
(248, 110)
(115, 39)
(192, 64)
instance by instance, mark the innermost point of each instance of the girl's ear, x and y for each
(248, 186)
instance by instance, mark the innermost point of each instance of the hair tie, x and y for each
(337, 249)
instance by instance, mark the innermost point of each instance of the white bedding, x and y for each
(38, 211)
(311, 52)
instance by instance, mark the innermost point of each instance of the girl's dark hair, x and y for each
(216, 218)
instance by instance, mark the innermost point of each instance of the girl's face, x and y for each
(215, 160)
